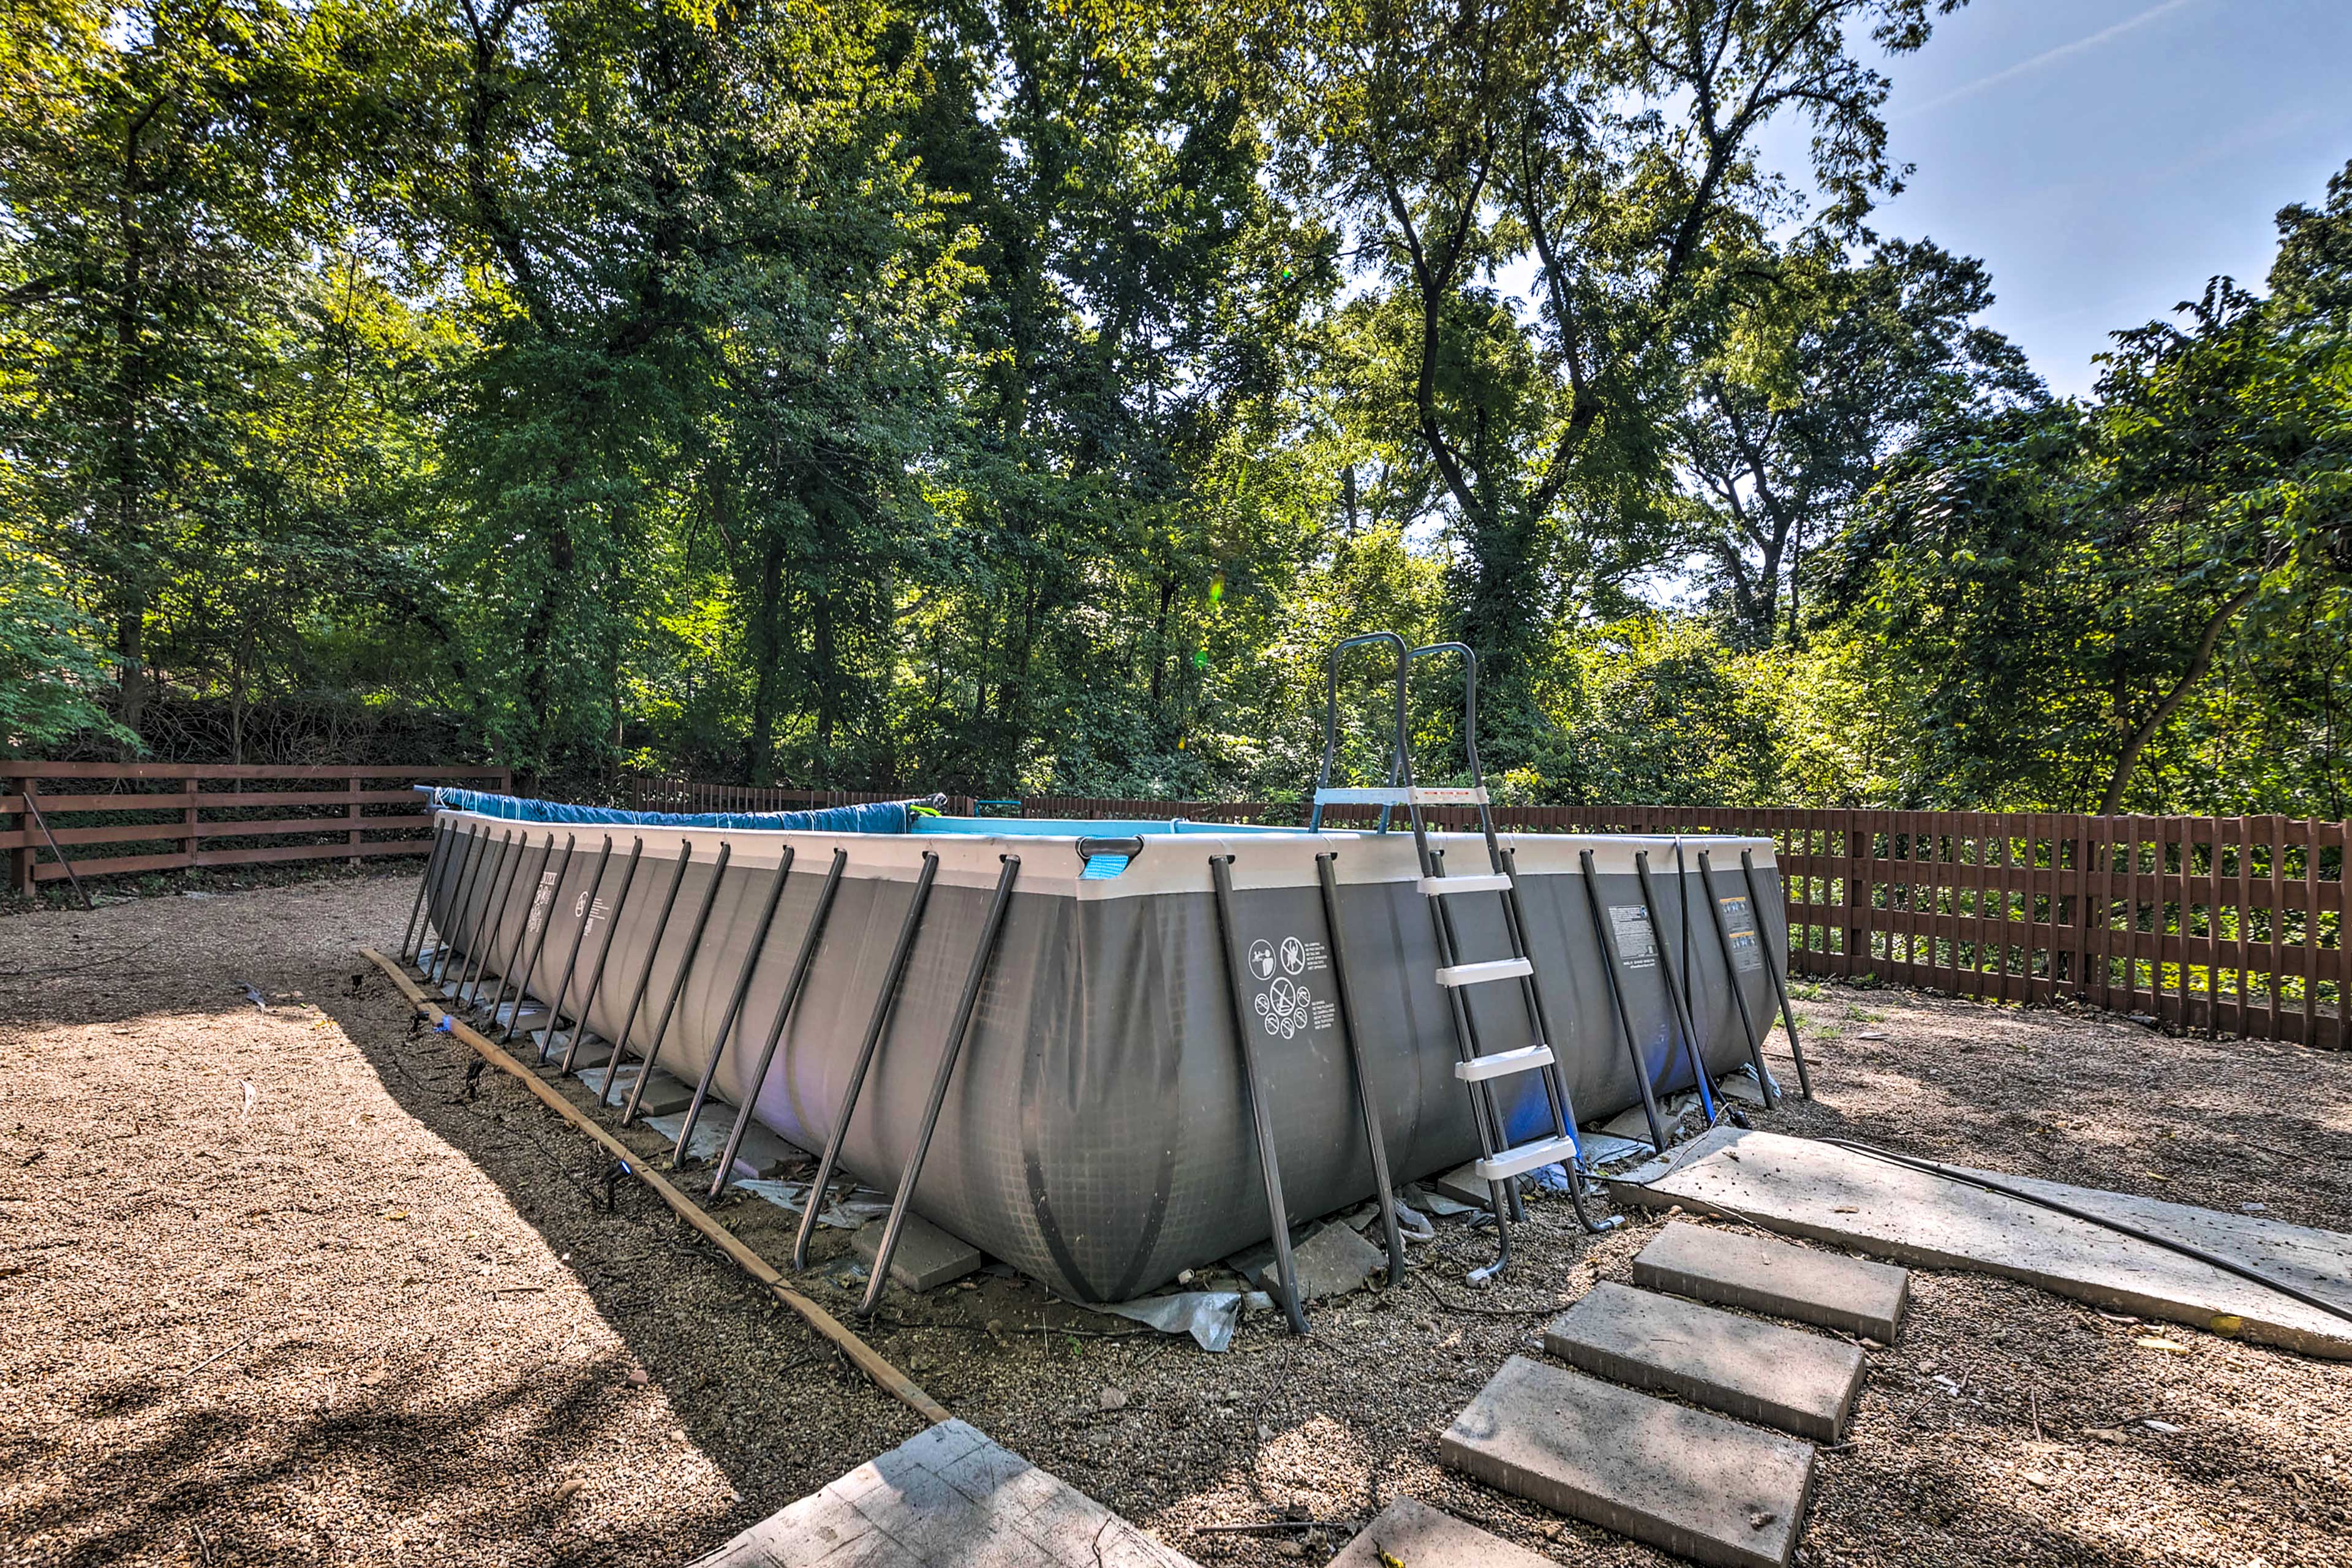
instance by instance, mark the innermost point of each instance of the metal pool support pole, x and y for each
(512, 869)
(1676, 998)
(1609, 963)
(501, 878)
(1268, 1159)
(958, 1030)
(455, 914)
(507, 974)
(677, 986)
(1731, 967)
(1327, 876)
(883, 1005)
(538, 948)
(462, 917)
(801, 965)
(596, 975)
(734, 1009)
(409, 934)
(1773, 966)
(572, 959)
(646, 971)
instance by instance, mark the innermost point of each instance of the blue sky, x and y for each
(2104, 157)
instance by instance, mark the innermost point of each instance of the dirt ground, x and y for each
(282, 1287)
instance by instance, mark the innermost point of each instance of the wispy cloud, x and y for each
(2047, 56)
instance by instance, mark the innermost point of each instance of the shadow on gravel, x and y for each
(209, 1479)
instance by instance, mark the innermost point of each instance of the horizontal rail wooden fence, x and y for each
(171, 817)
(2212, 924)
(646, 791)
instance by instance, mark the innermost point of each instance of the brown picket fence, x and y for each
(173, 817)
(2218, 925)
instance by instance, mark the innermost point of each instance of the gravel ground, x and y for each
(364, 1311)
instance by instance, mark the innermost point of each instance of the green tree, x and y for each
(1610, 147)
(1822, 371)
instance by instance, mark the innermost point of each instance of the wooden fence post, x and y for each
(20, 859)
(188, 821)
(352, 788)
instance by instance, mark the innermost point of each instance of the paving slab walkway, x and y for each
(1801, 1187)
(946, 1497)
(1801, 1383)
(1711, 1489)
(1412, 1532)
(1776, 1277)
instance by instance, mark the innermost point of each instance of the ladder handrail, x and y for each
(644, 973)
(1469, 701)
(801, 963)
(1492, 1137)
(1555, 1087)
(1269, 1162)
(677, 985)
(603, 956)
(728, 1020)
(885, 1005)
(1400, 761)
(958, 1031)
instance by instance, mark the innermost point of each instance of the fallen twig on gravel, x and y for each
(216, 1355)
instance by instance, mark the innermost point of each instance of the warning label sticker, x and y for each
(1636, 947)
(1285, 1006)
(1739, 925)
(545, 896)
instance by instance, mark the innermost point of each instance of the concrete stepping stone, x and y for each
(1777, 1277)
(946, 1497)
(1783, 1377)
(593, 1079)
(926, 1257)
(1462, 1185)
(594, 1051)
(1804, 1187)
(664, 1094)
(1331, 1261)
(1680, 1479)
(1421, 1537)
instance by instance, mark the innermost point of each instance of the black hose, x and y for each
(1969, 1179)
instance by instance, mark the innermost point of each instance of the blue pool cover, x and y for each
(877, 816)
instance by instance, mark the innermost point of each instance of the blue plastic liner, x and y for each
(877, 817)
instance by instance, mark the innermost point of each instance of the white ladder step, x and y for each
(1478, 973)
(1526, 1157)
(1399, 795)
(1495, 883)
(1503, 1063)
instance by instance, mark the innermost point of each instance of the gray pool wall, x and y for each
(1097, 1134)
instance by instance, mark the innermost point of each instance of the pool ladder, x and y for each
(1501, 1163)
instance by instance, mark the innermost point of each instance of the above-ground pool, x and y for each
(1096, 1132)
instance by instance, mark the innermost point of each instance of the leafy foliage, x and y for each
(1024, 398)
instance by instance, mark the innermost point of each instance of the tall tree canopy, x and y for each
(1023, 397)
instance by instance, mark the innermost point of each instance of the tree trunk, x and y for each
(2198, 663)
(767, 617)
